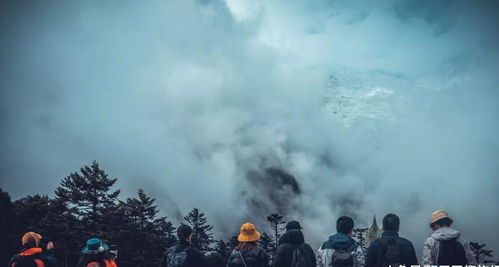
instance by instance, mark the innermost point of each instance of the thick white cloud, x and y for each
(184, 98)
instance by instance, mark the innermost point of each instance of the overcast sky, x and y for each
(371, 106)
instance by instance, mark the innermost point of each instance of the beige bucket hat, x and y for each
(438, 215)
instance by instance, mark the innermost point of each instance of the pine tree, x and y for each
(482, 254)
(222, 249)
(89, 198)
(8, 233)
(168, 231)
(275, 221)
(202, 237)
(359, 234)
(30, 211)
(233, 242)
(268, 244)
(148, 238)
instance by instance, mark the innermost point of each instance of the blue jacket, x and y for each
(341, 242)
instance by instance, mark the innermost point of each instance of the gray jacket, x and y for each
(432, 243)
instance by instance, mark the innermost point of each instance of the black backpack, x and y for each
(177, 258)
(343, 258)
(451, 252)
(301, 257)
(390, 253)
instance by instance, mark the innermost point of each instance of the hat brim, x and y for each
(438, 219)
(249, 238)
(90, 252)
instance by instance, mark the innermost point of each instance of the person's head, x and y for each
(248, 235)
(391, 222)
(184, 232)
(293, 225)
(439, 219)
(94, 246)
(344, 225)
(31, 240)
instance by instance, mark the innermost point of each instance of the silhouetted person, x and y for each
(292, 249)
(31, 254)
(247, 253)
(94, 255)
(183, 254)
(340, 250)
(391, 249)
(445, 246)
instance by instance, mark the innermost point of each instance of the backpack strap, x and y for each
(242, 258)
(39, 263)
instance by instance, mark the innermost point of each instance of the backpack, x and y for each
(300, 257)
(390, 253)
(177, 258)
(247, 258)
(343, 258)
(451, 252)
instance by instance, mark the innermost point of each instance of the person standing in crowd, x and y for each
(183, 254)
(31, 254)
(292, 249)
(445, 245)
(340, 250)
(390, 249)
(247, 253)
(94, 255)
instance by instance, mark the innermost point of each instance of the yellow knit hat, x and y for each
(248, 233)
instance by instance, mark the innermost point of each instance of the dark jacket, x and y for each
(406, 249)
(288, 242)
(194, 257)
(29, 255)
(253, 258)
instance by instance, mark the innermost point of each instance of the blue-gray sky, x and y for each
(374, 106)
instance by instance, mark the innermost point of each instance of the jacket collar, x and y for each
(390, 233)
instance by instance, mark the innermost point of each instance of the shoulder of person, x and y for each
(405, 241)
(326, 245)
(15, 258)
(430, 240)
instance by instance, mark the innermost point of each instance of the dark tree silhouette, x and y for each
(482, 254)
(202, 238)
(275, 221)
(89, 198)
(359, 234)
(233, 242)
(268, 244)
(147, 235)
(10, 241)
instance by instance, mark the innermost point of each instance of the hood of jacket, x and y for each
(294, 237)
(445, 233)
(339, 241)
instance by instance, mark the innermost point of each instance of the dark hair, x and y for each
(184, 231)
(344, 225)
(444, 222)
(245, 246)
(391, 222)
